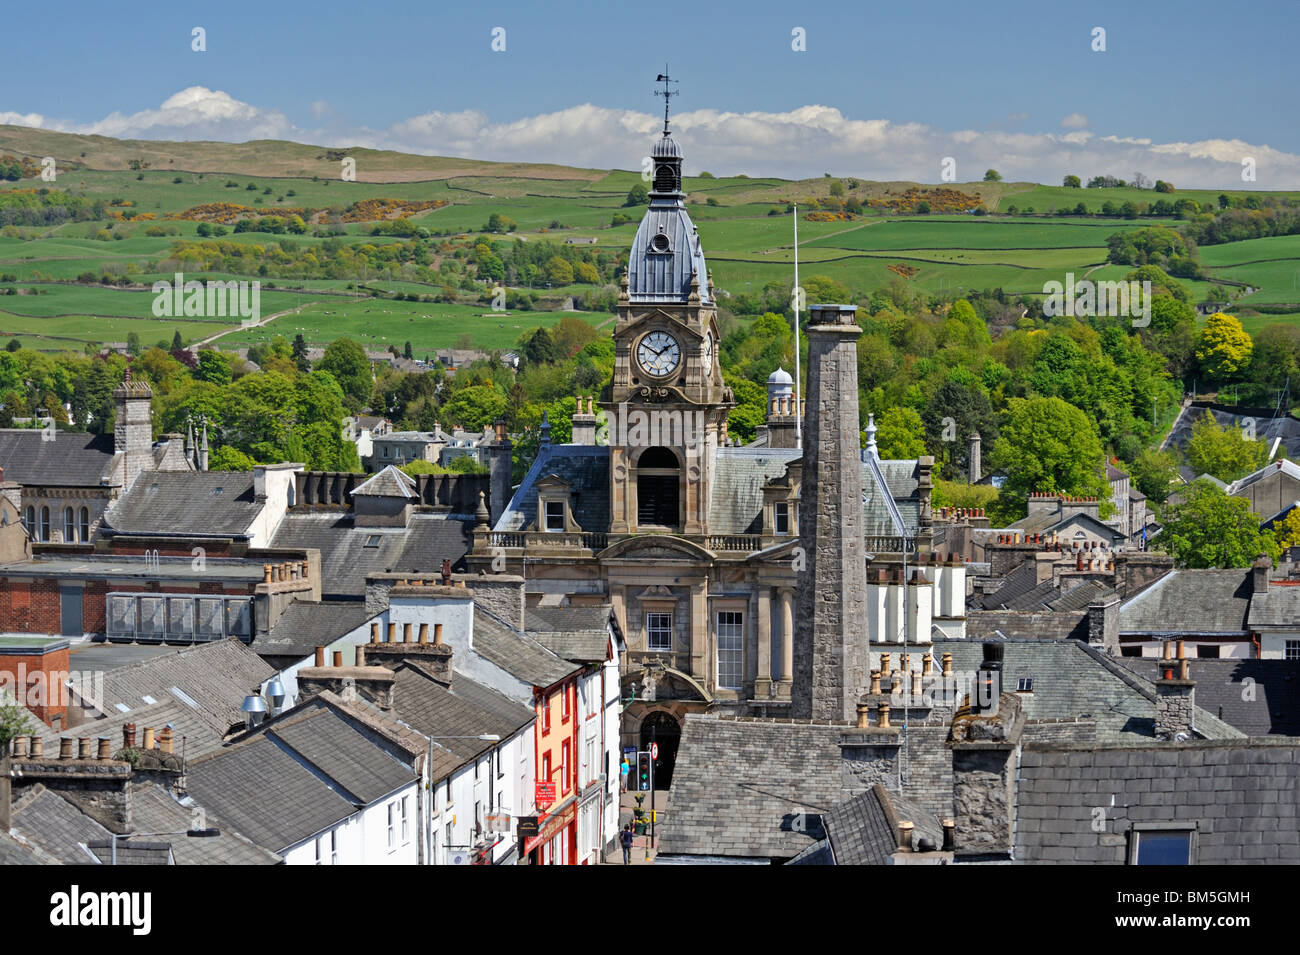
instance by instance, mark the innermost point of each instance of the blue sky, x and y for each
(1005, 80)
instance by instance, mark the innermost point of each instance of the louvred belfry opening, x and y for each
(658, 485)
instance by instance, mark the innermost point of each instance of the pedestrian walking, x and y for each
(623, 770)
(625, 840)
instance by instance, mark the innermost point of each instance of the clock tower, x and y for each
(666, 407)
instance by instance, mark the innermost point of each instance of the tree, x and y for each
(900, 434)
(347, 362)
(228, 458)
(177, 342)
(1223, 347)
(538, 348)
(300, 353)
(133, 343)
(1072, 182)
(475, 407)
(407, 353)
(951, 415)
(638, 195)
(992, 175)
(214, 367)
(559, 271)
(1287, 530)
(1211, 529)
(837, 188)
(1154, 473)
(1050, 445)
(1225, 453)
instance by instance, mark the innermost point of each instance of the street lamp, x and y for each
(207, 833)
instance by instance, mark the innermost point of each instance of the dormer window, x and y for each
(781, 517)
(555, 517)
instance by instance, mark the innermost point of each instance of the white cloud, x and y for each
(806, 141)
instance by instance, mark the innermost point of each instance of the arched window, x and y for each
(45, 524)
(69, 526)
(658, 488)
(85, 524)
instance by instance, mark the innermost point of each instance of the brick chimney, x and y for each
(368, 680)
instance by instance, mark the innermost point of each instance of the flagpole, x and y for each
(798, 294)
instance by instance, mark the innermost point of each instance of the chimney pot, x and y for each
(437, 634)
(949, 835)
(20, 747)
(338, 658)
(83, 748)
(864, 715)
(875, 681)
(38, 747)
(883, 721)
(406, 633)
(105, 748)
(65, 747)
(1182, 650)
(148, 737)
(392, 632)
(905, 830)
(361, 655)
(165, 740)
(927, 664)
(128, 736)
(266, 573)
(374, 631)
(947, 664)
(320, 657)
(424, 633)
(1182, 669)
(884, 665)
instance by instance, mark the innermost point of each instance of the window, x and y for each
(385, 450)
(659, 631)
(320, 850)
(781, 514)
(1162, 844)
(433, 848)
(1025, 684)
(1207, 650)
(555, 516)
(546, 768)
(392, 826)
(334, 847)
(85, 524)
(564, 766)
(29, 521)
(658, 486)
(564, 705)
(1292, 651)
(448, 844)
(1130, 651)
(546, 716)
(69, 525)
(478, 817)
(45, 523)
(730, 641)
(406, 829)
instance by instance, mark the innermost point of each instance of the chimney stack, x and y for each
(975, 465)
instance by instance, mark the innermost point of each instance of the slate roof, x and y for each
(72, 459)
(579, 634)
(1268, 428)
(1045, 522)
(199, 503)
(737, 784)
(1072, 680)
(465, 708)
(195, 731)
(297, 776)
(736, 504)
(46, 820)
(1021, 580)
(861, 829)
(153, 809)
(16, 852)
(1279, 606)
(517, 653)
(305, 625)
(584, 467)
(132, 852)
(1258, 697)
(1081, 596)
(1019, 591)
(1190, 601)
(390, 482)
(215, 676)
(1241, 796)
(347, 556)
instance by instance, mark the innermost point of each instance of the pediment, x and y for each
(656, 546)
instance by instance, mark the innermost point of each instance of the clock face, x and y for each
(708, 354)
(659, 354)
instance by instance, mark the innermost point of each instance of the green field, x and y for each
(746, 247)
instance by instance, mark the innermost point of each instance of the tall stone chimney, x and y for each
(1259, 571)
(1175, 697)
(133, 426)
(831, 637)
(975, 468)
(499, 470)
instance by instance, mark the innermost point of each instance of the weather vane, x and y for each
(666, 93)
